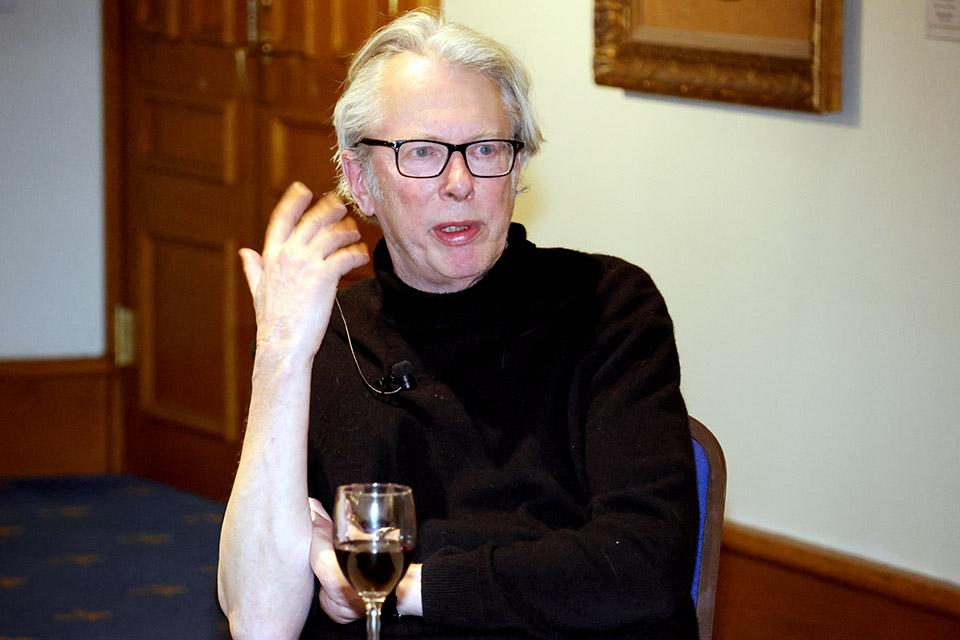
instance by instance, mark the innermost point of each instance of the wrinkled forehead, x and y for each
(412, 73)
(422, 95)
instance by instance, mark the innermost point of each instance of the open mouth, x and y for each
(456, 233)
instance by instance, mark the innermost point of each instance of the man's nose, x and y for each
(458, 181)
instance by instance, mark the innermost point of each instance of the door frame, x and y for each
(114, 240)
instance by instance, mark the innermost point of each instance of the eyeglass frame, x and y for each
(517, 146)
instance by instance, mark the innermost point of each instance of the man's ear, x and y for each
(357, 180)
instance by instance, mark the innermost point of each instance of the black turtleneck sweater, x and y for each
(546, 443)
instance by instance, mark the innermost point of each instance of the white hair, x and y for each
(427, 34)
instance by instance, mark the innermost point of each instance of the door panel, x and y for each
(212, 21)
(156, 17)
(196, 138)
(182, 372)
(320, 29)
(222, 110)
(188, 207)
(289, 158)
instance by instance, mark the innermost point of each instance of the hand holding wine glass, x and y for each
(374, 533)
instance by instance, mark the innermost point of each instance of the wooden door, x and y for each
(225, 102)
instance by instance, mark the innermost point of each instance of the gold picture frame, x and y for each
(784, 54)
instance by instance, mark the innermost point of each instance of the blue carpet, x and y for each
(113, 558)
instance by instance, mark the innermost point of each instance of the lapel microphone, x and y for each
(400, 378)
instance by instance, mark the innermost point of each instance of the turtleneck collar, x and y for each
(405, 306)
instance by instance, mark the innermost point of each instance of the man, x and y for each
(545, 438)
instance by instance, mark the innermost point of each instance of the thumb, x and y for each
(252, 268)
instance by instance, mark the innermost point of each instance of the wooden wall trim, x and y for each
(864, 575)
(56, 417)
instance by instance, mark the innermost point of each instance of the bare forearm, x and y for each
(265, 581)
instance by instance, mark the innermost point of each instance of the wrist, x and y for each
(292, 348)
(409, 601)
(271, 362)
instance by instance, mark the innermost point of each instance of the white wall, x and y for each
(51, 180)
(811, 263)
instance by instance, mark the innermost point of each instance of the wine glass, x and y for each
(374, 533)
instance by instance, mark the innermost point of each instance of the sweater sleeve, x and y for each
(628, 568)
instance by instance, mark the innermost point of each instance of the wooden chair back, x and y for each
(711, 490)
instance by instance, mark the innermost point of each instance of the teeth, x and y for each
(453, 229)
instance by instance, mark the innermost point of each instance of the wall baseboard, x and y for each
(56, 417)
(771, 586)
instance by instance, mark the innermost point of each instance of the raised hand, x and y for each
(294, 281)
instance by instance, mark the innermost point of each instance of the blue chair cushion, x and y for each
(703, 485)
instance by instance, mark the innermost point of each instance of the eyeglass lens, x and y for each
(424, 159)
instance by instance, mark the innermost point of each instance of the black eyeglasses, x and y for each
(428, 158)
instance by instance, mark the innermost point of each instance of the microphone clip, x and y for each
(399, 378)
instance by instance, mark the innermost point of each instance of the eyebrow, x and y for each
(483, 135)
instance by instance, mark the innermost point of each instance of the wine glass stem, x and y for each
(373, 620)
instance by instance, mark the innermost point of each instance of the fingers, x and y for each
(285, 216)
(323, 560)
(323, 229)
(252, 268)
(292, 220)
(338, 611)
(294, 280)
(328, 212)
(334, 237)
(326, 230)
(337, 597)
(348, 258)
(338, 244)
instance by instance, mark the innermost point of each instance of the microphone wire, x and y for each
(353, 353)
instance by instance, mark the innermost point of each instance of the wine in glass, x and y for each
(374, 533)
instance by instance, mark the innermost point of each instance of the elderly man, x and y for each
(545, 438)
